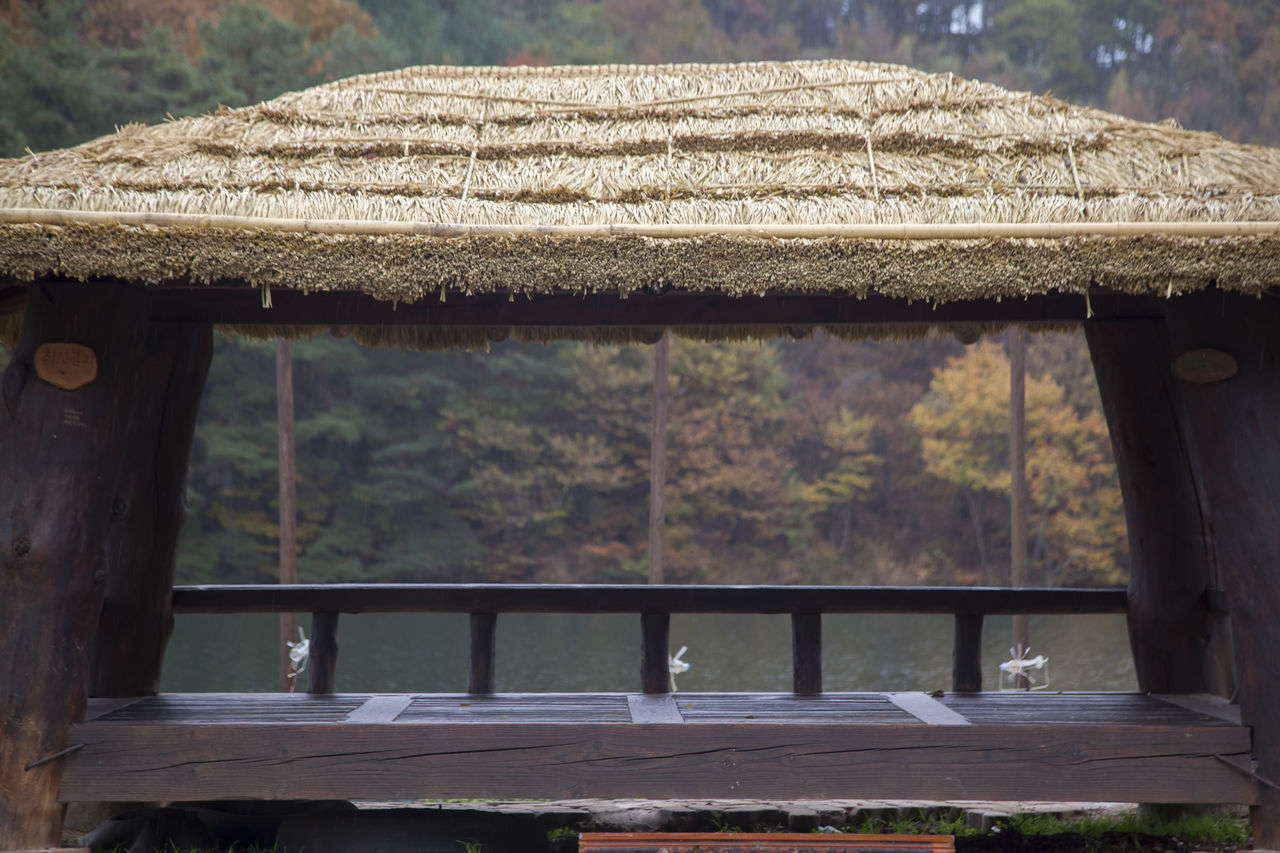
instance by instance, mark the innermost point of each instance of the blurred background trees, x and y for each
(811, 461)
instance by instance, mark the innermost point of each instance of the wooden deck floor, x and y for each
(1002, 746)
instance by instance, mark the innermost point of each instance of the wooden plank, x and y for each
(966, 654)
(102, 707)
(651, 708)
(926, 709)
(1204, 703)
(243, 306)
(380, 709)
(759, 842)
(806, 652)
(396, 761)
(625, 598)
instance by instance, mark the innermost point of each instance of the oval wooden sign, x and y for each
(64, 365)
(1204, 365)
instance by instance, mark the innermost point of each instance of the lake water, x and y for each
(425, 653)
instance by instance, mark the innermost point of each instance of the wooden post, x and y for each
(806, 652)
(1235, 425)
(481, 667)
(63, 457)
(322, 666)
(288, 500)
(966, 654)
(655, 672)
(658, 462)
(147, 514)
(1178, 646)
(1018, 486)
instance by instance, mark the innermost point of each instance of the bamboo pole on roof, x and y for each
(862, 231)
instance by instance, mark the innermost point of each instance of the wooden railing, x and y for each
(654, 604)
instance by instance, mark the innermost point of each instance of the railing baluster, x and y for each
(966, 655)
(480, 673)
(806, 652)
(655, 676)
(322, 663)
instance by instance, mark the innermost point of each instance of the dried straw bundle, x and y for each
(744, 179)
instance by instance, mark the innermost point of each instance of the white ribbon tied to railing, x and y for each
(675, 666)
(299, 654)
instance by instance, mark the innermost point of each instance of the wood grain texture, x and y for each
(148, 511)
(1178, 647)
(651, 708)
(1235, 425)
(1118, 763)
(626, 598)
(64, 456)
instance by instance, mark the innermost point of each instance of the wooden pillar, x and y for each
(1018, 489)
(966, 654)
(147, 513)
(288, 502)
(806, 653)
(1178, 647)
(481, 669)
(63, 457)
(658, 462)
(655, 672)
(1235, 423)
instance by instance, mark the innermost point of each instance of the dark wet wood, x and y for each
(602, 598)
(481, 670)
(729, 745)
(322, 667)
(1178, 647)
(966, 654)
(243, 306)
(1235, 425)
(147, 513)
(655, 674)
(759, 842)
(64, 458)
(806, 652)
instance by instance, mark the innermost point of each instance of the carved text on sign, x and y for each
(68, 366)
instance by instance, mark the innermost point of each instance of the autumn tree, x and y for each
(1075, 517)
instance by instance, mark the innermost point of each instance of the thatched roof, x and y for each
(831, 177)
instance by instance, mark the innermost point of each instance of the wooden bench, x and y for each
(958, 746)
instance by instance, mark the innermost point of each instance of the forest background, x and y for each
(811, 461)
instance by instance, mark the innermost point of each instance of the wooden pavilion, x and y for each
(439, 207)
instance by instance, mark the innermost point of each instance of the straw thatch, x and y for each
(809, 177)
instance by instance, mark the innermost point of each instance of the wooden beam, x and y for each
(64, 456)
(243, 306)
(1122, 763)
(627, 598)
(147, 512)
(1178, 647)
(1235, 426)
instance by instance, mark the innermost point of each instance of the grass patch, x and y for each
(1049, 833)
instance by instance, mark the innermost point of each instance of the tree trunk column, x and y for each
(63, 454)
(148, 510)
(1235, 423)
(1178, 647)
